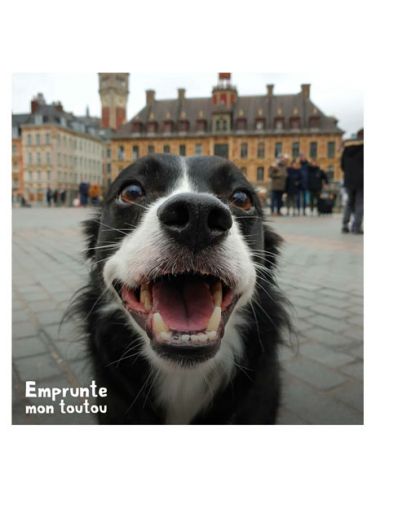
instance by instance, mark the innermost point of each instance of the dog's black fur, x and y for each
(252, 395)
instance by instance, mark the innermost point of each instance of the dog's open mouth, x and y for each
(184, 315)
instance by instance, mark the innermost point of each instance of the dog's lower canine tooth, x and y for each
(217, 287)
(143, 290)
(160, 325)
(217, 298)
(214, 320)
(165, 336)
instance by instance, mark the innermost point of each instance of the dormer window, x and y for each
(151, 127)
(260, 123)
(168, 126)
(278, 123)
(136, 127)
(201, 125)
(182, 126)
(38, 119)
(295, 122)
(314, 122)
(241, 124)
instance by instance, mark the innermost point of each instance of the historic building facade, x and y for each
(248, 130)
(113, 90)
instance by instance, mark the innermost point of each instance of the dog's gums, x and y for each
(186, 311)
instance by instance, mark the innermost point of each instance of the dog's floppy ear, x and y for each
(91, 231)
(272, 244)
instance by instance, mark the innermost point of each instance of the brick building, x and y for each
(248, 130)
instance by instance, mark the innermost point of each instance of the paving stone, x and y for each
(355, 320)
(71, 350)
(301, 302)
(356, 309)
(42, 306)
(355, 333)
(19, 316)
(314, 374)
(328, 323)
(325, 356)
(351, 394)
(354, 370)
(314, 407)
(27, 347)
(357, 351)
(334, 294)
(17, 305)
(31, 297)
(335, 302)
(331, 312)
(23, 329)
(37, 367)
(286, 353)
(50, 318)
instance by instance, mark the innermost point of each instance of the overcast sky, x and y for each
(334, 93)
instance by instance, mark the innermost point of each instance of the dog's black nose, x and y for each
(195, 220)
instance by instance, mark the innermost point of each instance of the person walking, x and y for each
(317, 179)
(55, 197)
(301, 194)
(278, 175)
(94, 194)
(63, 195)
(84, 193)
(352, 161)
(293, 186)
(49, 195)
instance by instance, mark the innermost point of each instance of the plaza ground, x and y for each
(321, 272)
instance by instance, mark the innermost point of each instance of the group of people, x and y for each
(58, 197)
(92, 192)
(297, 180)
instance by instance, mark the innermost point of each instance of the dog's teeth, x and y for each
(212, 335)
(165, 336)
(147, 301)
(217, 298)
(143, 290)
(216, 287)
(185, 337)
(195, 338)
(160, 325)
(202, 337)
(214, 320)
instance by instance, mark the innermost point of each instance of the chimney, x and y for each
(59, 107)
(181, 95)
(270, 88)
(150, 96)
(34, 106)
(36, 102)
(306, 89)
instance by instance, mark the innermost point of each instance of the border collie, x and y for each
(182, 311)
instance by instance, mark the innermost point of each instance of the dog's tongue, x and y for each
(184, 308)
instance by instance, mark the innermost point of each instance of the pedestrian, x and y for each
(304, 165)
(95, 194)
(63, 195)
(49, 195)
(317, 179)
(292, 186)
(352, 165)
(278, 175)
(55, 197)
(84, 193)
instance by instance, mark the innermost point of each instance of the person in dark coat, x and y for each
(63, 195)
(278, 175)
(49, 195)
(352, 165)
(304, 165)
(317, 178)
(55, 197)
(84, 193)
(293, 186)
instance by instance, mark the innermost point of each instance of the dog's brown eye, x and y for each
(242, 200)
(131, 194)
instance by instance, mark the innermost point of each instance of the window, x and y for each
(30, 176)
(295, 150)
(278, 149)
(241, 124)
(217, 125)
(109, 181)
(243, 171)
(38, 119)
(244, 150)
(47, 139)
(15, 166)
(15, 182)
(48, 158)
(221, 151)
(279, 123)
(314, 122)
(331, 150)
(313, 150)
(38, 139)
(151, 127)
(183, 126)
(201, 125)
(260, 124)
(168, 126)
(48, 175)
(38, 158)
(29, 139)
(108, 167)
(120, 153)
(29, 158)
(260, 174)
(224, 125)
(330, 173)
(15, 132)
(261, 151)
(182, 150)
(166, 149)
(136, 127)
(108, 153)
(39, 176)
(14, 149)
(198, 149)
(150, 149)
(295, 122)
(135, 153)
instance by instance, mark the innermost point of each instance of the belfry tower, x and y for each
(113, 90)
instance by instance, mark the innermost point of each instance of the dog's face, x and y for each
(175, 244)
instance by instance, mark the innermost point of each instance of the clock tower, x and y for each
(113, 90)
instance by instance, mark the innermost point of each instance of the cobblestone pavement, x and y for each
(321, 272)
